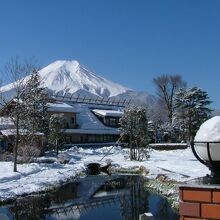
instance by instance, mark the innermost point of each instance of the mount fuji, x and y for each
(68, 77)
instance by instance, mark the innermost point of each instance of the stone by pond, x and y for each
(118, 197)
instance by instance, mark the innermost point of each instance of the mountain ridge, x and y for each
(68, 77)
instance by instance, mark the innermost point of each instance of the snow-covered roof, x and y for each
(6, 122)
(88, 123)
(60, 107)
(110, 113)
(10, 132)
(91, 131)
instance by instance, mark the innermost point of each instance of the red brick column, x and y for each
(199, 202)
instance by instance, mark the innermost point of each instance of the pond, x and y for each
(118, 197)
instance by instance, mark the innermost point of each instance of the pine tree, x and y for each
(134, 126)
(192, 109)
(34, 100)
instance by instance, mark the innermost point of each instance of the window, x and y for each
(73, 120)
(67, 125)
(92, 138)
(112, 122)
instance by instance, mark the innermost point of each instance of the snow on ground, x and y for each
(179, 165)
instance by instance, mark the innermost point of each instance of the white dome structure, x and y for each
(209, 131)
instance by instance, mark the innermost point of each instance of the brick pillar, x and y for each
(199, 202)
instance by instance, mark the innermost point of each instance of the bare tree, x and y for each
(157, 116)
(166, 86)
(16, 70)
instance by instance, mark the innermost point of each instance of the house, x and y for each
(5, 124)
(84, 123)
(108, 117)
(68, 111)
(88, 123)
(8, 139)
(8, 133)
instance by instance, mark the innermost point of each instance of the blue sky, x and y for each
(127, 41)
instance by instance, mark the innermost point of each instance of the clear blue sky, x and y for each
(126, 41)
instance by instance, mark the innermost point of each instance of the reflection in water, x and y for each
(136, 202)
(95, 197)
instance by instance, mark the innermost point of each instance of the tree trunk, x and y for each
(190, 129)
(170, 114)
(131, 149)
(15, 154)
(57, 147)
(16, 146)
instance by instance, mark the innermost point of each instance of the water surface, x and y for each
(117, 197)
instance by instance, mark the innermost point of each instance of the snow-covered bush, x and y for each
(134, 127)
(28, 152)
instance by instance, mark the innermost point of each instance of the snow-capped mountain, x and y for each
(70, 77)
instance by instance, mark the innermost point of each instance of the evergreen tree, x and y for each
(55, 126)
(192, 109)
(34, 116)
(134, 126)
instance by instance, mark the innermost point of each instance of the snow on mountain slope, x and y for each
(70, 77)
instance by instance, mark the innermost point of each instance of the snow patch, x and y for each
(179, 165)
(111, 113)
